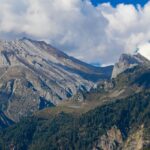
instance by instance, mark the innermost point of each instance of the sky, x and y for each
(114, 3)
(94, 32)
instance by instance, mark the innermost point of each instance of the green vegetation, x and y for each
(69, 132)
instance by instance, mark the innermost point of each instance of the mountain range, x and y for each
(49, 100)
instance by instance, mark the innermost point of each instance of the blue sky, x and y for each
(115, 2)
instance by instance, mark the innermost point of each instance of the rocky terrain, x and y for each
(49, 100)
(127, 61)
(34, 75)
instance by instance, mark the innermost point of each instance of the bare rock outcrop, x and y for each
(127, 61)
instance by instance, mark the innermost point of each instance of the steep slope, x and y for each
(4, 121)
(120, 125)
(34, 75)
(133, 80)
(113, 116)
(127, 61)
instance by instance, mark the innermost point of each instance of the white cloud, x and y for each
(93, 34)
(144, 49)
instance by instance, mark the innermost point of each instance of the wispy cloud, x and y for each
(93, 34)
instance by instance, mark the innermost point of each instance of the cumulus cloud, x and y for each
(93, 34)
(144, 49)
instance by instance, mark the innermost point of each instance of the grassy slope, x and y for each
(132, 81)
(65, 131)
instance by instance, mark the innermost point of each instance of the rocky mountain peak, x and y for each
(34, 73)
(127, 61)
(136, 58)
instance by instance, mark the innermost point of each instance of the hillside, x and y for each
(34, 75)
(50, 101)
(122, 124)
(115, 115)
(133, 80)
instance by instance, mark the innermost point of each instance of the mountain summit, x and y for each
(127, 61)
(35, 75)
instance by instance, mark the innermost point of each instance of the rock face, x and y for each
(34, 75)
(135, 140)
(127, 61)
(4, 121)
(112, 140)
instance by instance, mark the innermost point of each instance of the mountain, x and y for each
(127, 61)
(114, 115)
(35, 75)
(119, 125)
(49, 100)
